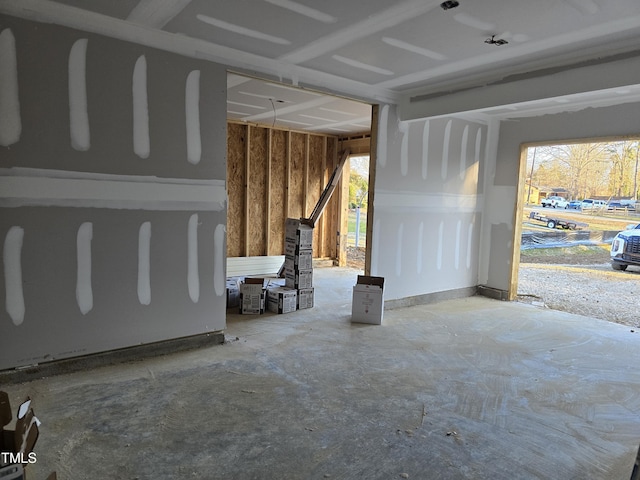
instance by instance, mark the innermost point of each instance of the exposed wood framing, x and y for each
(288, 176)
(322, 223)
(517, 239)
(373, 162)
(247, 208)
(360, 145)
(305, 183)
(343, 215)
(267, 200)
(273, 174)
(334, 180)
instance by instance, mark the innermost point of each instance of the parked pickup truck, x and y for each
(555, 202)
(625, 248)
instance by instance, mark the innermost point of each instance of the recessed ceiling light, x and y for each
(449, 4)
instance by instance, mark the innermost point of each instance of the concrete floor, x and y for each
(462, 389)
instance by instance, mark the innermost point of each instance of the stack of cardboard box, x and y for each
(298, 264)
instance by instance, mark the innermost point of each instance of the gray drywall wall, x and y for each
(501, 190)
(428, 204)
(113, 201)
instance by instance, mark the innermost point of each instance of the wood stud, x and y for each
(256, 160)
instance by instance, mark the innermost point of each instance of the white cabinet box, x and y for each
(368, 300)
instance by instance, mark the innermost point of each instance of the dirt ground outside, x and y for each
(580, 280)
(576, 280)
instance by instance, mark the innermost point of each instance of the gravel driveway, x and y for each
(592, 290)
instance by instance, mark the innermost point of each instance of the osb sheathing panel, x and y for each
(315, 186)
(331, 213)
(278, 191)
(236, 146)
(254, 188)
(257, 191)
(296, 181)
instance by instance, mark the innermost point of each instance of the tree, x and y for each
(583, 167)
(603, 169)
(624, 179)
(358, 190)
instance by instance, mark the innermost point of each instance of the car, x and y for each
(575, 204)
(625, 248)
(591, 204)
(554, 202)
(627, 207)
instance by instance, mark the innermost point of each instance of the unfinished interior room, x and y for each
(159, 156)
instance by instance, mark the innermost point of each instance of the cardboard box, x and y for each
(368, 300)
(305, 298)
(233, 293)
(292, 248)
(251, 304)
(252, 296)
(298, 278)
(282, 300)
(302, 260)
(298, 233)
(18, 443)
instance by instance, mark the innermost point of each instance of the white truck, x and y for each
(625, 248)
(555, 202)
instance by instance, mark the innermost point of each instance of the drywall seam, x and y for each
(440, 245)
(458, 241)
(141, 140)
(389, 200)
(144, 263)
(403, 128)
(420, 246)
(193, 276)
(10, 120)
(375, 248)
(425, 149)
(84, 291)
(192, 112)
(399, 250)
(478, 145)
(219, 280)
(12, 253)
(463, 151)
(469, 245)
(78, 112)
(24, 187)
(382, 136)
(445, 150)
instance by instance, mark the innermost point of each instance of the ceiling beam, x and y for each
(620, 77)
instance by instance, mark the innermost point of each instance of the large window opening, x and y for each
(577, 197)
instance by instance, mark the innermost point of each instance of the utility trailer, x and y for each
(553, 222)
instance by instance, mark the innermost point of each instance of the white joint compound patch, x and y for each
(11, 255)
(10, 120)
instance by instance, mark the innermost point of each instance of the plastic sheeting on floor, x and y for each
(565, 238)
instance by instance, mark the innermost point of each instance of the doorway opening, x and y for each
(358, 210)
(283, 146)
(575, 197)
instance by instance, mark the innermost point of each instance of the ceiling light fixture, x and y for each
(496, 41)
(449, 4)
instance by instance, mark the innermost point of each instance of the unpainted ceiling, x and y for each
(372, 50)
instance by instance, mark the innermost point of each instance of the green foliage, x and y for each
(358, 190)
